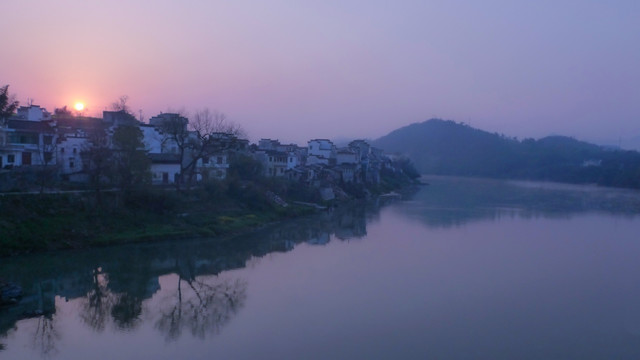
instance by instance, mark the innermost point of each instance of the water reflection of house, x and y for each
(320, 239)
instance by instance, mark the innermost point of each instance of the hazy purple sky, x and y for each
(296, 70)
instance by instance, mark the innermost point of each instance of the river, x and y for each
(462, 269)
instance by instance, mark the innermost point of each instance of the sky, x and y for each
(297, 70)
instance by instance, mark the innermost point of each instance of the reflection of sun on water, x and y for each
(79, 106)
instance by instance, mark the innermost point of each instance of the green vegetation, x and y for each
(448, 148)
(37, 222)
(8, 104)
(40, 222)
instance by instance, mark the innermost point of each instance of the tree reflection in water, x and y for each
(46, 335)
(98, 302)
(126, 311)
(120, 287)
(202, 306)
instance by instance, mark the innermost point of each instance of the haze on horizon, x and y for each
(337, 69)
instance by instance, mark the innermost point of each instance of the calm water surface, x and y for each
(463, 269)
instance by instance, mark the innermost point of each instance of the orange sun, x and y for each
(79, 106)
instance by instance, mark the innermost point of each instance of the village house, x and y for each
(274, 163)
(76, 136)
(27, 138)
(346, 156)
(34, 137)
(215, 164)
(163, 153)
(32, 113)
(276, 158)
(321, 148)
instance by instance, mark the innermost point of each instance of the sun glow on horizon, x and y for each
(79, 106)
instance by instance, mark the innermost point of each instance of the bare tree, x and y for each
(46, 335)
(98, 302)
(200, 305)
(206, 122)
(209, 133)
(121, 104)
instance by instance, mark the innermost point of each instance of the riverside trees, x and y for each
(131, 164)
(8, 104)
(208, 134)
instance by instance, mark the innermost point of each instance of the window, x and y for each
(75, 150)
(61, 150)
(11, 158)
(71, 163)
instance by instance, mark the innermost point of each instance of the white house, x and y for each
(274, 163)
(33, 113)
(321, 148)
(346, 156)
(165, 168)
(214, 166)
(69, 151)
(25, 143)
(317, 160)
(76, 135)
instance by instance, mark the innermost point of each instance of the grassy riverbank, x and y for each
(32, 223)
(43, 222)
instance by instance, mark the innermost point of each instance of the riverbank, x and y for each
(44, 222)
(35, 223)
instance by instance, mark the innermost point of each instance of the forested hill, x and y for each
(449, 148)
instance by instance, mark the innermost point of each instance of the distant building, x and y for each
(321, 148)
(166, 118)
(26, 143)
(346, 156)
(32, 113)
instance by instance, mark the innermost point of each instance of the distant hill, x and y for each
(445, 147)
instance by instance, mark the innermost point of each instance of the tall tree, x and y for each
(8, 104)
(47, 148)
(62, 112)
(97, 158)
(132, 166)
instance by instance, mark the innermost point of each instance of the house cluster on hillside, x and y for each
(322, 161)
(33, 138)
